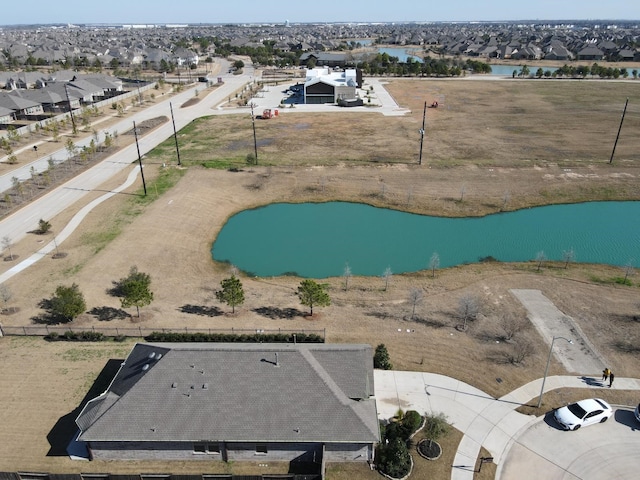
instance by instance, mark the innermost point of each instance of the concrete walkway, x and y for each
(69, 228)
(484, 421)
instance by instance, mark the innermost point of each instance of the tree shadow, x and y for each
(48, 317)
(429, 322)
(275, 313)
(116, 289)
(625, 318)
(65, 428)
(379, 315)
(202, 310)
(106, 314)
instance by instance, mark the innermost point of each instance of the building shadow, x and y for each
(65, 428)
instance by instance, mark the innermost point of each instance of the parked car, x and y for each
(583, 413)
(637, 412)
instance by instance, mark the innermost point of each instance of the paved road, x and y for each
(485, 421)
(599, 452)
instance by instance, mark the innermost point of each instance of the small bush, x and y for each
(411, 421)
(394, 459)
(70, 336)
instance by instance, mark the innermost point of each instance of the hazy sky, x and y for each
(254, 11)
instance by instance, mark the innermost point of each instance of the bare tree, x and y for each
(5, 296)
(434, 264)
(346, 275)
(568, 256)
(409, 195)
(7, 243)
(628, 270)
(519, 351)
(540, 257)
(416, 295)
(511, 325)
(387, 274)
(505, 199)
(468, 308)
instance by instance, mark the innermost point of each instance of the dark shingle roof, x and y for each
(237, 392)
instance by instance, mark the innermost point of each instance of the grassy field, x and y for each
(486, 123)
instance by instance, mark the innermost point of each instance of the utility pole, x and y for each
(424, 119)
(619, 129)
(73, 120)
(175, 134)
(255, 141)
(135, 133)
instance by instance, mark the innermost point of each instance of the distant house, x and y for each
(324, 86)
(6, 116)
(590, 52)
(257, 402)
(24, 109)
(324, 59)
(185, 57)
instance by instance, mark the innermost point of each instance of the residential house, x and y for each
(7, 115)
(590, 52)
(24, 108)
(234, 402)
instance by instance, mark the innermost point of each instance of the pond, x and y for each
(402, 54)
(317, 240)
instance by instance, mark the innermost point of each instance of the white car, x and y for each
(583, 413)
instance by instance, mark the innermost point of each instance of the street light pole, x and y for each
(546, 370)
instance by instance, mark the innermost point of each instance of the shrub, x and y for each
(381, 358)
(411, 421)
(235, 337)
(394, 459)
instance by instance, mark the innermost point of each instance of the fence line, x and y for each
(43, 330)
(146, 476)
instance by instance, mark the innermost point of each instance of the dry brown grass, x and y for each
(171, 238)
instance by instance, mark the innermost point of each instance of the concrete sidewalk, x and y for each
(484, 420)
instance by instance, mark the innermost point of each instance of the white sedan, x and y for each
(583, 413)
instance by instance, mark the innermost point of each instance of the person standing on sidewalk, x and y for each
(605, 374)
(611, 377)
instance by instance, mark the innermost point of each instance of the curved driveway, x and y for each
(484, 421)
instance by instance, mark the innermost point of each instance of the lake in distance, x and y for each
(317, 240)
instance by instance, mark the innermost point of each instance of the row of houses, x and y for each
(30, 96)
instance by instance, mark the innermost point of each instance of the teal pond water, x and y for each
(317, 240)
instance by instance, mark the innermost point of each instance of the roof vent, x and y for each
(205, 386)
(174, 385)
(145, 367)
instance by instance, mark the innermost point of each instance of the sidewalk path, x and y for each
(484, 421)
(69, 228)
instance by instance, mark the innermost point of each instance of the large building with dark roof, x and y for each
(279, 402)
